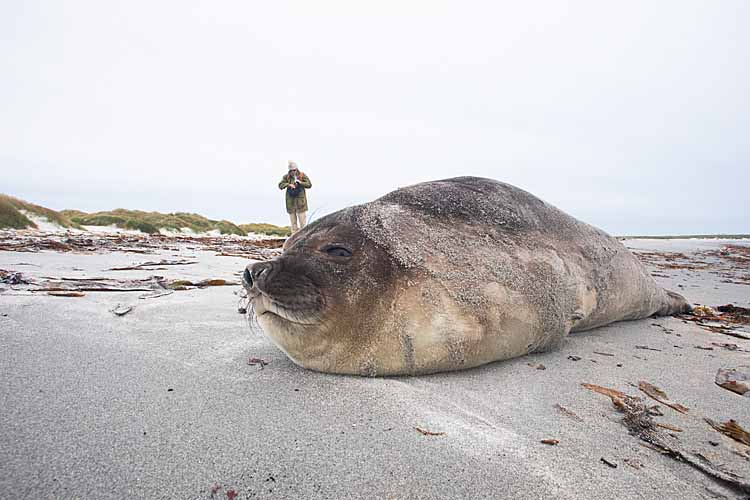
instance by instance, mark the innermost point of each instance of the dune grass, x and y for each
(147, 222)
(152, 222)
(268, 229)
(12, 217)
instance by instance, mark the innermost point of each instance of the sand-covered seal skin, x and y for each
(442, 276)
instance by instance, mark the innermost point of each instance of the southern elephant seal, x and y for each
(442, 276)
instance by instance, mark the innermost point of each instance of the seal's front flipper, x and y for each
(674, 304)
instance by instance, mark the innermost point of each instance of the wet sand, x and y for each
(162, 403)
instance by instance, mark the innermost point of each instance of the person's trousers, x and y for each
(298, 220)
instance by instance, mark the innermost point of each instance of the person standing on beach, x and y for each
(295, 183)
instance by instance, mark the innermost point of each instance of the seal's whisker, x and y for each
(252, 319)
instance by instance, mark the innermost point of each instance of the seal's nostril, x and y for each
(260, 270)
(247, 277)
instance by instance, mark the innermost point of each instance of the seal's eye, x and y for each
(337, 251)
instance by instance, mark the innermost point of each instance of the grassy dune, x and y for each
(12, 217)
(152, 222)
(269, 229)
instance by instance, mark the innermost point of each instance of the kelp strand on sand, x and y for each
(639, 420)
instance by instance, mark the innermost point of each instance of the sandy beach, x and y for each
(171, 399)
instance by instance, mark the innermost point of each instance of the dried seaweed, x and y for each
(612, 393)
(150, 264)
(567, 412)
(727, 319)
(640, 423)
(734, 379)
(85, 242)
(731, 429)
(63, 293)
(429, 433)
(658, 395)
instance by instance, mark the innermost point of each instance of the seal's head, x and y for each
(317, 300)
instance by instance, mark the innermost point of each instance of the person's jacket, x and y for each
(296, 203)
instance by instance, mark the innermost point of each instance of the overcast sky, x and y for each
(633, 116)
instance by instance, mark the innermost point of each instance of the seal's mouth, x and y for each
(264, 306)
(282, 297)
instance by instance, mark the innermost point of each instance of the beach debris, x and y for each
(669, 427)
(728, 346)
(727, 319)
(703, 312)
(734, 379)
(429, 433)
(231, 494)
(156, 294)
(552, 442)
(640, 423)
(657, 394)
(655, 411)
(151, 284)
(731, 262)
(86, 242)
(603, 353)
(258, 361)
(65, 284)
(736, 311)
(121, 310)
(187, 284)
(216, 282)
(731, 429)
(150, 264)
(215, 489)
(12, 278)
(574, 358)
(537, 366)
(704, 348)
(64, 293)
(664, 329)
(612, 393)
(633, 462)
(647, 348)
(734, 333)
(608, 463)
(180, 285)
(567, 412)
